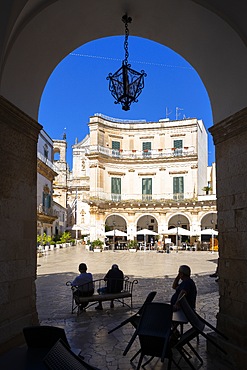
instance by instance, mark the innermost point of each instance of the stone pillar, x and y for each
(18, 213)
(230, 138)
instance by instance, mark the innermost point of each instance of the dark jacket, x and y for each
(114, 279)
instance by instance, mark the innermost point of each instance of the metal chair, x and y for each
(154, 331)
(134, 319)
(61, 357)
(198, 325)
(43, 336)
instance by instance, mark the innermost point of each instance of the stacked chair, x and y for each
(153, 331)
(198, 325)
(48, 347)
(60, 357)
(134, 319)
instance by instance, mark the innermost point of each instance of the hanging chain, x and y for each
(126, 20)
(126, 44)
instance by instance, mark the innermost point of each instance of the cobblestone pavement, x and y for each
(154, 271)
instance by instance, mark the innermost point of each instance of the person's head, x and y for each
(184, 271)
(114, 266)
(82, 267)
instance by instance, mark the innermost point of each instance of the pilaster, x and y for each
(230, 138)
(18, 192)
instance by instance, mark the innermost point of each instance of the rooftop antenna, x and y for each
(167, 112)
(177, 112)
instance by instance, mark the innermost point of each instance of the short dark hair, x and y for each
(82, 267)
(185, 270)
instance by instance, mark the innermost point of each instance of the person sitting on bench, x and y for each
(114, 284)
(84, 284)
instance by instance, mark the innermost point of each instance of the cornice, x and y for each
(45, 170)
(229, 127)
(20, 121)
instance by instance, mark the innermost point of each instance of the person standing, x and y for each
(114, 284)
(186, 287)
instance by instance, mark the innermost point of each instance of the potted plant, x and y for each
(206, 189)
(97, 245)
(66, 236)
(132, 246)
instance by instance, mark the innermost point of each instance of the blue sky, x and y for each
(77, 89)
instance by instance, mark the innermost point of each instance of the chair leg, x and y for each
(135, 355)
(183, 354)
(149, 360)
(195, 353)
(140, 361)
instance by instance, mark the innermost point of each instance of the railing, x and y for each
(141, 154)
(103, 196)
(46, 211)
(47, 162)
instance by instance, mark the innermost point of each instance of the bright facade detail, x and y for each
(136, 174)
(51, 216)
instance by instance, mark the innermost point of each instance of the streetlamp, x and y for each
(178, 224)
(146, 236)
(114, 235)
(212, 222)
(126, 84)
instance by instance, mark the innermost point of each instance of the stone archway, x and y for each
(31, 47)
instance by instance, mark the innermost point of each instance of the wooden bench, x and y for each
(96, 297)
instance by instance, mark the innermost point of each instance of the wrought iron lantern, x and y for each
(126, 84)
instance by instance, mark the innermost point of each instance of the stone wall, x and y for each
(230, 137)
(18, 190)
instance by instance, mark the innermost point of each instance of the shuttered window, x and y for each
(115, 148)
(146, 149)
(116, 145)
(146, 145)
(178, 144)
(116, 188)
(147, 189)
(178, 188)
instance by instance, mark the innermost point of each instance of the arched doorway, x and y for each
(209, 238)
(147, 232)
(179, 240)
(115, 232)
(27, 26)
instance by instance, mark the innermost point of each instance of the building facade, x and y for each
(51, 216)
(131, 175)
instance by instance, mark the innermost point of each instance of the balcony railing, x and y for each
(46, 211)
(140, 154)
(47, 161)
(103, 196)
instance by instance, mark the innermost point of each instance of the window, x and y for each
(46, 151)
(178, 188)
(147, 189)
(116, 189)
(46, 202)
(178, 145)
(115, 148)
(146, 149)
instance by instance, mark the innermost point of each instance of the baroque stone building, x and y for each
(31, 47)
(132, 175)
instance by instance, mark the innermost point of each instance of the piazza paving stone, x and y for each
(154, 271)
